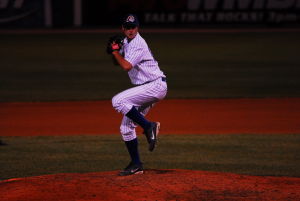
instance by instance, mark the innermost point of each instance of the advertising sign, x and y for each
(95, 14)
(21, 13)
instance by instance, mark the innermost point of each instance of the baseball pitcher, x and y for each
(132, 54)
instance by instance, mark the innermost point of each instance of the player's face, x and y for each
(130, 32)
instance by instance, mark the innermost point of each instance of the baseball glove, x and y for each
(115, 43)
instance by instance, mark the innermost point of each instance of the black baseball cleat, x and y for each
(151, 135)
(132, 169)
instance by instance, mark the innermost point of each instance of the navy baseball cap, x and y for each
(130, 20)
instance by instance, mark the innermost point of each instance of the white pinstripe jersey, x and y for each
(145, 67)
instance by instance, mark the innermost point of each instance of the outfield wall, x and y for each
(187, 13)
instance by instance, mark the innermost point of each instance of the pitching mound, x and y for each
(160, 185)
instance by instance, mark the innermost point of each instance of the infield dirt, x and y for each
(210, 116)
(154, 185)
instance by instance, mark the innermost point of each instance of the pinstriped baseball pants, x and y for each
(142, 97)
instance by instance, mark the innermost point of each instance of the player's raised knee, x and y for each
(118, 103)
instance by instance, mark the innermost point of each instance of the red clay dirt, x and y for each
(255, 116)
(154, 185)
(210, 116)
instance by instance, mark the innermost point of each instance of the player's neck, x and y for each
(130, 39)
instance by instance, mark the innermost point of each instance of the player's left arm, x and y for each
(114, 45)
(127, 66)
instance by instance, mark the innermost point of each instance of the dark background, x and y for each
(153, 13)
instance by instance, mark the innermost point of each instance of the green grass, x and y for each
(198, 65)
(276, 155)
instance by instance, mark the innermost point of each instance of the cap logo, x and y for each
(130, 18)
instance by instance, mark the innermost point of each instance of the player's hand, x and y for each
(115, 43)
(115, 46)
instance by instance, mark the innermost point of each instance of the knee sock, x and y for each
(138, 118)
(132, 147)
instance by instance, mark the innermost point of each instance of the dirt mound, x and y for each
(159, 185)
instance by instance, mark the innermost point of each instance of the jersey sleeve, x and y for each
(134, 56)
